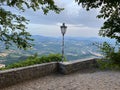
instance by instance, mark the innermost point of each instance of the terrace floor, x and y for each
(81, 80)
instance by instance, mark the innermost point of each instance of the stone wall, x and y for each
(13, 76)
(69, 67)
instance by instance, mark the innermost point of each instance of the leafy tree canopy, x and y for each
(109, 10)
(12, 26)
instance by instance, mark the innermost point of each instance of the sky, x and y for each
(79, 22)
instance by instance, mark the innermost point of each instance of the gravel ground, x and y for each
(85, 80)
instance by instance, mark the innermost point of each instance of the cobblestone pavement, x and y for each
(98, 80)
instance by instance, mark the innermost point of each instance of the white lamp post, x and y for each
(63, 31)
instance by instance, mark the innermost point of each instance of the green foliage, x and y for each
(111, 58)
(35, 60)
(109, 10)
(13, 26)
(111, 28)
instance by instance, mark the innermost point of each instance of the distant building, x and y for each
(2, 65)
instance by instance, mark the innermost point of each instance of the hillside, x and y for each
(75, 48)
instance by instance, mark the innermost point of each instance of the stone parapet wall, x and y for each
(69, 67)
(13, 76)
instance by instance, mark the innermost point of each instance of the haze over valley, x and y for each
(75, 48)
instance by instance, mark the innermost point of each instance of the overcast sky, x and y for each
(80, 22)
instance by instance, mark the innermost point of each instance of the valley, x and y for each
(75, 48)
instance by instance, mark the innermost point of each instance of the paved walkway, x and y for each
(87, 80)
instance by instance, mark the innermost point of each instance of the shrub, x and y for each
(35, 60)
(111, 59)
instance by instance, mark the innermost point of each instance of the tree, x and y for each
(13, 26)
(109, 10)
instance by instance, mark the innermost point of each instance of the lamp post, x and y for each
(0, 30)
(63, 31)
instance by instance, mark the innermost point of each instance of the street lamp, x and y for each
(0, 31)
(63, 31)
